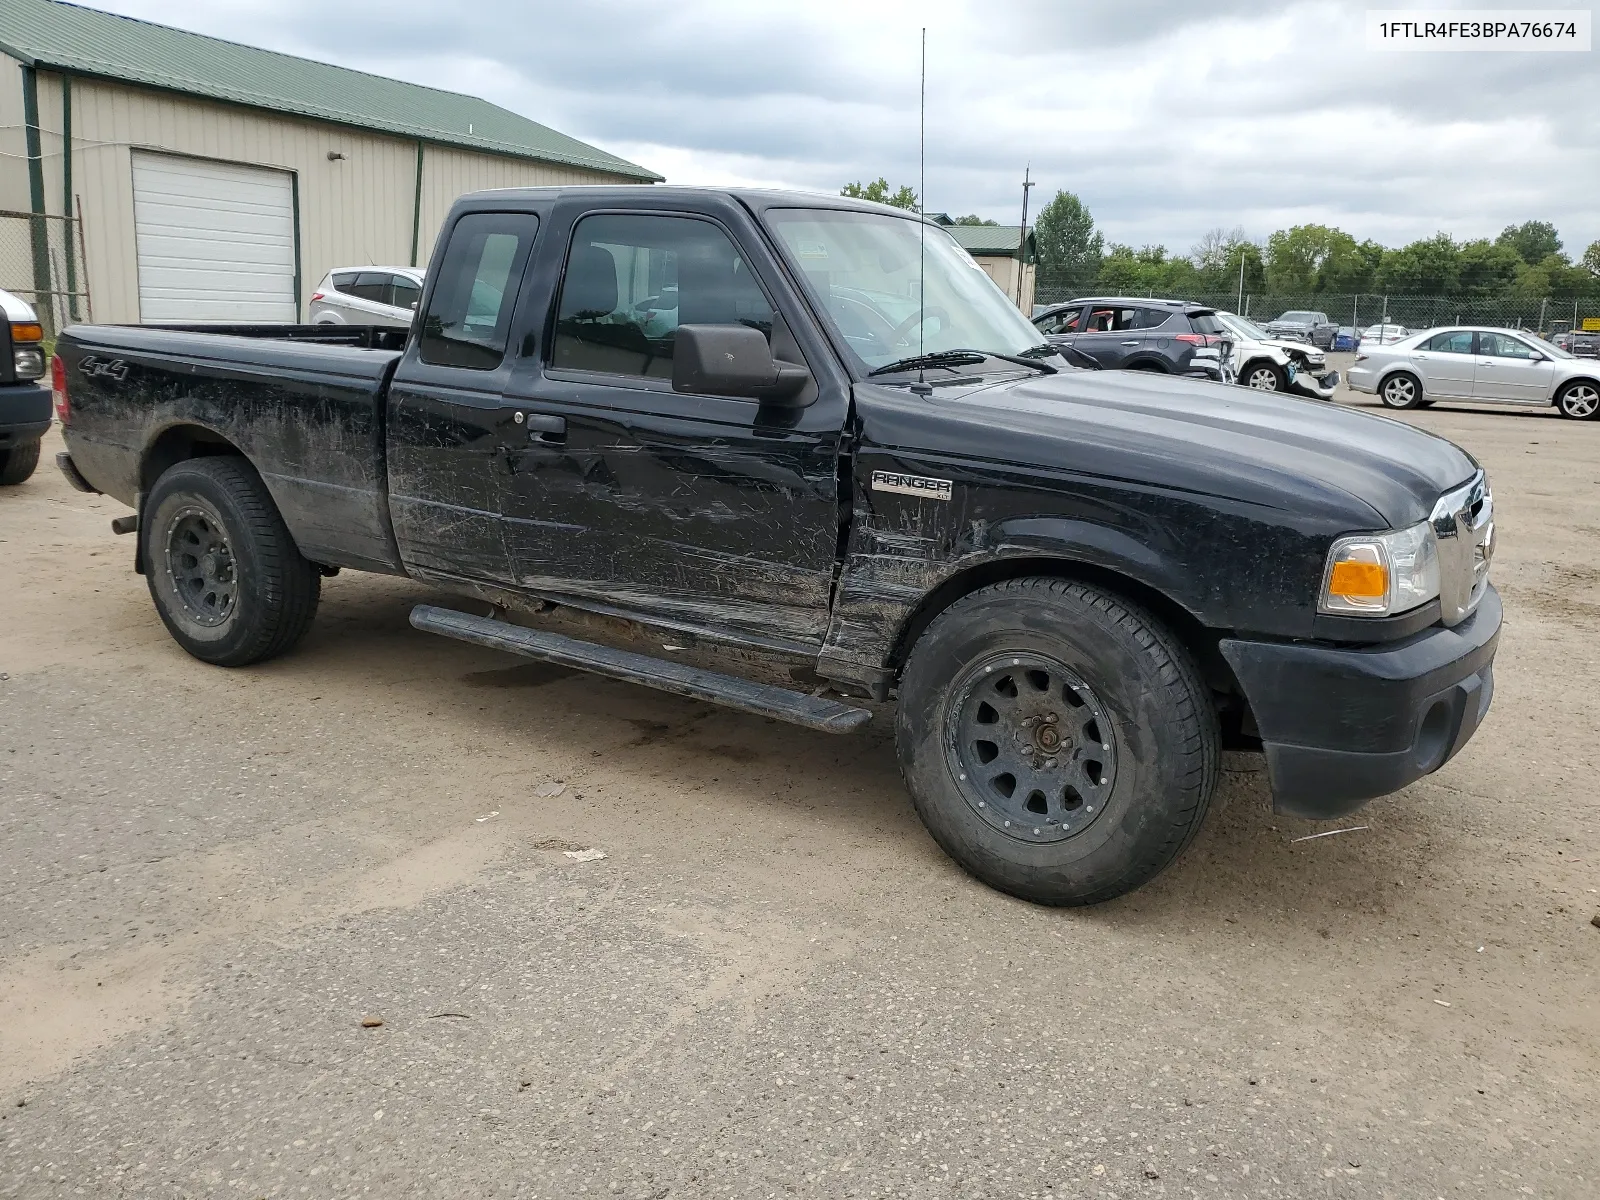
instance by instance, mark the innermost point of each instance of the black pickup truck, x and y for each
(811, 427)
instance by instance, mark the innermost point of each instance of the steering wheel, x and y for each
(901, 330)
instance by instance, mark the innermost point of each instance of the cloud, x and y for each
(1168, 120)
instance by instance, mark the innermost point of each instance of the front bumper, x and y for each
(24, 413)
(1341, 726)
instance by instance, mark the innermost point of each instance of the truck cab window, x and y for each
(469, 312)
(632, 280)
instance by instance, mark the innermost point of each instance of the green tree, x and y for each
(1217, 257)
(974, 219)
(878, 191)
(1533, 241)
(1487, 268)
(1428, 267)
(1069, 246)
(1553, 276)
(1305, 258)
(1591, 260)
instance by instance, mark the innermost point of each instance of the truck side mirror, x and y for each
(732, 360)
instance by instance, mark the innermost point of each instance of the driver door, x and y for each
(1510, 369)
(698, 510)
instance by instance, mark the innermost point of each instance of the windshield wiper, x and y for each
(956, 358)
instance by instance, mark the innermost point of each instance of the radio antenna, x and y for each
(922, 206)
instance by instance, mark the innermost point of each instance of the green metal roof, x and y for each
(985, 239)
(67, 37)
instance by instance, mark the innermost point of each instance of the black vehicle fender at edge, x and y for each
(1062, 548)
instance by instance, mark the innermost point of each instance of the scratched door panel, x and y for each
(705, 511)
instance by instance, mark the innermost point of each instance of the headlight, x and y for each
(1376, 574)
(28, 361)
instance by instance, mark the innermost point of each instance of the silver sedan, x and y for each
(1501, 366)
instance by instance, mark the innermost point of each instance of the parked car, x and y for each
(1381, 335)
(1314, 327)
(24, 401)
(1345, 338)
(1270, 364)
(1173, 337)
(1470, 363)
(1079, 585)
(1583, 343)
(367, 296)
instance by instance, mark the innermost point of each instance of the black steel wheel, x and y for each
(200, 564)
(1032, 747)
(1057, 739)
(226, 577)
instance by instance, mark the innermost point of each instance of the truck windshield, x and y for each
(865, 271)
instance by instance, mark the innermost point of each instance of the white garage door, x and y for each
(216, 240)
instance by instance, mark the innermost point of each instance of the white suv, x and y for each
(367, 296)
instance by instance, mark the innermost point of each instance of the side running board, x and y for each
(764, 700)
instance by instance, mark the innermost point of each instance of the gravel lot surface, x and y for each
(215, 882)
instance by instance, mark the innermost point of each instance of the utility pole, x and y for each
(1022, 237)
(1240, 309)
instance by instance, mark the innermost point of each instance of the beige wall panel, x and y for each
(13, 143)
(353, 211)
(448, 173)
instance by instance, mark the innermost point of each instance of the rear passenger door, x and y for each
(707, 511)
(1111, 333)
(448, 480)
(1445, 362)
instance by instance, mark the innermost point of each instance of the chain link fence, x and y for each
(42, 261)
(1547, 315)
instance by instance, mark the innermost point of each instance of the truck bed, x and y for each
(305, 403)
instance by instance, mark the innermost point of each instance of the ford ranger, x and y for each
(812, 427)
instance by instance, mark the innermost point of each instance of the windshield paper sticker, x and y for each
(911, 485)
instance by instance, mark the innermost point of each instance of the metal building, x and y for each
(220, 182)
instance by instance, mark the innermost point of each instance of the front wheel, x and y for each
(1058, 741)
(1401, 391)
(1264, 377)
(1579, 400)
(17, 463)
(230, 584)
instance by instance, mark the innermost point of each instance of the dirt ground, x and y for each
(773, 983)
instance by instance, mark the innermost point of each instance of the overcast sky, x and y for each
(1167, 119)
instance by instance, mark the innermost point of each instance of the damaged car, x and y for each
(843, 448)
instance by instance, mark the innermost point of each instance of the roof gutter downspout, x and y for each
(37, 227)
(416, 209)
(67, 205)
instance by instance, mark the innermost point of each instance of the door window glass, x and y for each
(1112, 318)
(1456, 342)
(371, 285)
(407, 292)
(469, 312)
(1065, 321)
(632, 280)
(1501, 345)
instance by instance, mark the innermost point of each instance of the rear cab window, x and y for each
(469, 311)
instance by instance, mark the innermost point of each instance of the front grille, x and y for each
(1463, 526)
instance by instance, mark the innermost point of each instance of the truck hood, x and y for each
(1307, 458)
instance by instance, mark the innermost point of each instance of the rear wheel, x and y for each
(230, 584)
(1401, 391)
(1057, 740)
(1579, 400)
(1264, 377)
(17, 463)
